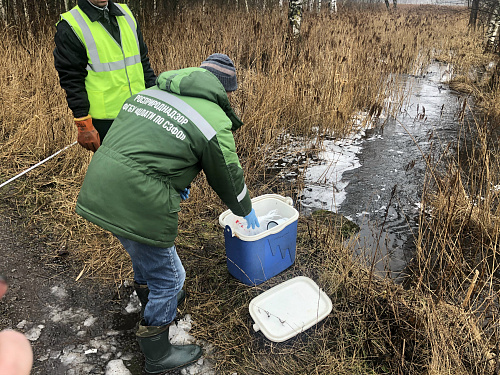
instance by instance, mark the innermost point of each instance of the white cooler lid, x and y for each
(289, 308)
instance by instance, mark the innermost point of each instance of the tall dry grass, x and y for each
(312, 86)
(456, 261)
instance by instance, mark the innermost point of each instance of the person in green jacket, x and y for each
(161, 139)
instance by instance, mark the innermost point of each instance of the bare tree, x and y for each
(394, 4)
(333, 6)
(473, 13)
(16, 15)
(27, 17)
(295, 10)
(492, 34)
(3, 14)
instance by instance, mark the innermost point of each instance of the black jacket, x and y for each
(70, 56)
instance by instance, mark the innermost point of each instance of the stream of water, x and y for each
(375, 178)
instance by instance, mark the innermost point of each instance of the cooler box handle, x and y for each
(228, 230)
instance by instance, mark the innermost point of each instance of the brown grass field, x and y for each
(444, 321)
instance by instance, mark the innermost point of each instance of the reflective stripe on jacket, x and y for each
(114, 72)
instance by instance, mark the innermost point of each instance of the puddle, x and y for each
(375, 178)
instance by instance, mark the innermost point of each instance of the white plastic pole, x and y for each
(37, 164)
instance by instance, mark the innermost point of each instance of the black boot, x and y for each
(160, 354)
(143, 294)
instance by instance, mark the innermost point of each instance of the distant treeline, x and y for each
(30, 14)
(35, 16)
(21, 13)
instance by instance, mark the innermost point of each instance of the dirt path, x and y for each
(74, 327)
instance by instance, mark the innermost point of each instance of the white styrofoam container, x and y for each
(289, 308)
(262, 205)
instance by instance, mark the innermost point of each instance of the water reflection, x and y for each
(376, 178)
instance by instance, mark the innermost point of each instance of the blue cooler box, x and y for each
(253, 259)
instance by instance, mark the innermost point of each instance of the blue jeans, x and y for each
(161, 269)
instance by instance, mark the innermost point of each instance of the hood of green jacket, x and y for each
(199, 83)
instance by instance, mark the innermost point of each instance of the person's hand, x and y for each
(16, 355)
(88, 137)
(184, 194)
(252, 220)
(3, 286)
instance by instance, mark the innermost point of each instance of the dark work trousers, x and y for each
(102, 127)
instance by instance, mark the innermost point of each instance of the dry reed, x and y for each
(311, 86)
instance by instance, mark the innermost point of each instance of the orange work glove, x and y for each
(88, 137)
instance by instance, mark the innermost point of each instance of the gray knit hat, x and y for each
(223, 68)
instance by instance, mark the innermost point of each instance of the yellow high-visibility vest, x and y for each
(114, 72)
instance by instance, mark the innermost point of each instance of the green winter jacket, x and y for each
(161, 139)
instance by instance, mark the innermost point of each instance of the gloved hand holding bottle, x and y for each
(252, 220)
(184, 194)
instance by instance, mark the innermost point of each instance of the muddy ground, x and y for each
(75, 327)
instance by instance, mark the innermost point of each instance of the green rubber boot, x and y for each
(143, 294)
(160, 354)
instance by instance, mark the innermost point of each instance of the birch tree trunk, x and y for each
(47, 10)
(333, 6)
(394, 3)
(493, 31)
(319, 6)
(27, 17)
(295, 16)
(16, 16)
(3, 14)
(387, 4)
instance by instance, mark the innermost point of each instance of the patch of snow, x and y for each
(178, 333)
(134, 305)
(68, 316)
(100, 344)
(127, 357)
(72, 358)
(103, 352)
(34, 333)
(117, 367)
(59, 292)
(89, 321)
(339, 156)
(106, 357)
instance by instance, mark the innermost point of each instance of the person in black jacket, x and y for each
(72, 58)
